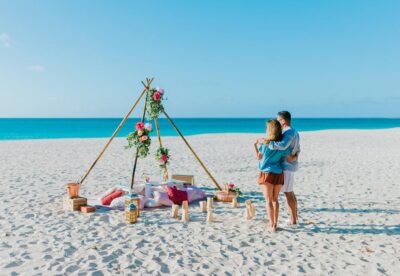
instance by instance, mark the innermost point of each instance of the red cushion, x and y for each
(107, 200)
(177, 196)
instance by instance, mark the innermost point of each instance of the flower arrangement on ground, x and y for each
(228, 193)
(233, 188)
(154, 105)
(140, 138)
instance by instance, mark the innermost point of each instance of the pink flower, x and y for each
(140, 132)
(148, 127)
(231, 186)
(162, 162)
(164, 157)
(147, 178)
(143, 138)
(157, 96)
(139, 126)
(160, 90)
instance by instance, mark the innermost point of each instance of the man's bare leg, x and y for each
(295, 205)
(292, 203)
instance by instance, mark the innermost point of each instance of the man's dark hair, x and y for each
(285, 115)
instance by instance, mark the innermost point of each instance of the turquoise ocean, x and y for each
(18, 129)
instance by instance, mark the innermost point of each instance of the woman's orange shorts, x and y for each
(271, 178)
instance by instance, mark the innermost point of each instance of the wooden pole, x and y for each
(113, 135)
(165, 171)
(191, 149)
(158, 131)
(144, 114)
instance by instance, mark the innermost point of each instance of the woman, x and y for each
(271, 172)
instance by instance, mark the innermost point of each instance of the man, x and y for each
(291, 139)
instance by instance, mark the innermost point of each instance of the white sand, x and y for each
(348, 189)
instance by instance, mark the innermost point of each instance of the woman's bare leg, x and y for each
(270, 195)
(264, 191)
(276, 190)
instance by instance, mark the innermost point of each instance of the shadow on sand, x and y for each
(319, 227)
(351, 229)
(352, 210)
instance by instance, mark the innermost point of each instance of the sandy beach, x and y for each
(347, 188)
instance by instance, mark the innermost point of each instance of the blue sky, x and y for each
(214, 58)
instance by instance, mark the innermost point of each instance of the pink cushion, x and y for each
(108, 199)
(106, 193)
(194, 193)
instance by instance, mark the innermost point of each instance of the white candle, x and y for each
(203, 206)
(210, 202)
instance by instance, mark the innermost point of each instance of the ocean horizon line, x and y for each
(52, 128)
(201, 117)
(245, 117)
(196, 134)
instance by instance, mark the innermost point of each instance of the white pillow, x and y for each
(119, 202)
(151, 203)
(162, 198)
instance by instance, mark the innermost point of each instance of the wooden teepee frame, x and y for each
(146, 88)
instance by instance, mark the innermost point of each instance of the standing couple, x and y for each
(277, 155)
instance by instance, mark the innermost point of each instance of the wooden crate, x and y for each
(74, 204)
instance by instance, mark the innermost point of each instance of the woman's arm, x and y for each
(292, 158)
(258, 153)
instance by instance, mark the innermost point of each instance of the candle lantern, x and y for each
(133, 199)
(131, 213)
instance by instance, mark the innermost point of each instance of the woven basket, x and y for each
(130, 216)
(226, 196)
(135, 201)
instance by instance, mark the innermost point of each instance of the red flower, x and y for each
(139, 126)
(157, 96)
(164, 157)
(231, 186)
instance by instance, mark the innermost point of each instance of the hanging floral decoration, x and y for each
(162, 156)
(154, 105)
(140, 139)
